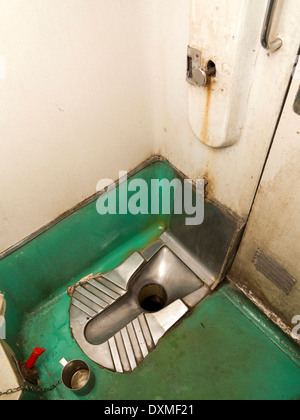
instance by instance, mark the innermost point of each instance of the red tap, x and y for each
(37, 352)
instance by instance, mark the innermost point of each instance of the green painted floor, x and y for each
(225, 350)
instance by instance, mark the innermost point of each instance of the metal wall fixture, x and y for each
(196, 75)
(266, 41)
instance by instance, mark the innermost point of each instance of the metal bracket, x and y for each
(265, 37)
(196, 75)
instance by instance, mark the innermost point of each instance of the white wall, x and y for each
(73, 105)
(94, 87)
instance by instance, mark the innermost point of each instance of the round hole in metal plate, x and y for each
(153, 298)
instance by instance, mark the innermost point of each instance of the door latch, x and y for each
(196, 75)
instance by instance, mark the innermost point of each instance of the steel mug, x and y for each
(77, 377)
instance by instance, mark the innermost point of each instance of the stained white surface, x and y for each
(274, 226)
(96, 87)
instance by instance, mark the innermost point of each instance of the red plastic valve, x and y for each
(37, 352)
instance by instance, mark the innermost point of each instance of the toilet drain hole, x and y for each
(153, 298)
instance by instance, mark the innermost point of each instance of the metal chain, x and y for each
(30, 388)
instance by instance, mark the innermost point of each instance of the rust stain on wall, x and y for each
(204, 134)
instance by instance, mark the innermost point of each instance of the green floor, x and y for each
(225, 350)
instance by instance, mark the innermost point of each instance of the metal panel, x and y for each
(226, 32)
(210, 246)
(273, 227)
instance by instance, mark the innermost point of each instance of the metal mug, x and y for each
(77, 377)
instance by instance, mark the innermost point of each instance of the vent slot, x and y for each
(274, 272)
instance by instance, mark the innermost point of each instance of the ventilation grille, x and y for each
(274, 272)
